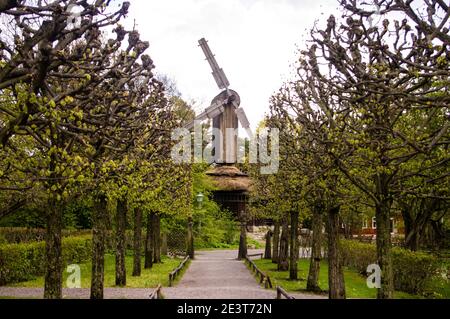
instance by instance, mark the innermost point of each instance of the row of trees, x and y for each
(364, 128)
(82, 114)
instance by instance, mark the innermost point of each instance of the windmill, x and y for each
(225, 113)
(231, 185)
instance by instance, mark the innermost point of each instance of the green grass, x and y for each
(149, 278)
(355, 284)
(439, 287)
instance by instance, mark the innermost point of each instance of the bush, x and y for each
(412, 270)
(16, 235)
(25, 261)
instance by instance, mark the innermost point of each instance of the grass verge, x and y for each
(159, 273)
(355, 284)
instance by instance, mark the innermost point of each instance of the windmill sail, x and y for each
(224, 112)
(218, 74)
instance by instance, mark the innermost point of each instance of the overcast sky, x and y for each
(254, 41)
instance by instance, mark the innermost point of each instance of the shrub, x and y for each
(21, 262)
(412, 270)
(16, 235)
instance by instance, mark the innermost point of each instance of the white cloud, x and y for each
(254, 42)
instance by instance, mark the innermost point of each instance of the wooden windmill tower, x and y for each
(225, 112)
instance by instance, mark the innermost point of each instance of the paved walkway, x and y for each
(211, 275)
(218, 275)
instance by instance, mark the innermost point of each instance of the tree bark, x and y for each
(276, 242)
(53, 252)
(336, 282)
(137, 242)
(283, 263)
(243, 239)
(148, 263)
(293, 251)
(164, 248)
(417, 218)
(316, 250)
(156, 239)
(382, 215)
(99, 233)
(121, 220)
(190, 239)
(268, 247)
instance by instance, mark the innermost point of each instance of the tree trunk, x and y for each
(335, 272)
(243, 239)
(382, 215)
(408, 221)
(121, 221)
(148, 263)
(137, 239)
(293, 251)
(316, 251)
(190, 239)
(412, 235)
(417, 219)
(283, 263)
(99, 232)
(276, 242)
(53, 252)
(268, 248)
(156, 239)
(164, 248)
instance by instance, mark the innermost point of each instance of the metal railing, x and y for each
(176, 271)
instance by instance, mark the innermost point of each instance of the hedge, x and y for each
(412, 270)
(17, 235)
(25, 261)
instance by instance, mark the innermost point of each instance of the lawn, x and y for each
(355, 284)
(149, 277)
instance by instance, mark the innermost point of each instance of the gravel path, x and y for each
(211, 275)
(218, 275)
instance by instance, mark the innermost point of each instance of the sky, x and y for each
(254, 41)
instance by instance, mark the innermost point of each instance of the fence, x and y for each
(176, 242)
(281, 292)
(263, 278)
(176, 271)
(256, 255)
(157, 293)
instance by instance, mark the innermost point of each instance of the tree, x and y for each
(357, 86)
(121, 221)
(43, 68)
(293, 255)
(137, 241)
(316, 249)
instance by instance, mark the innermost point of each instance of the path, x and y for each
(211, 275)
(218, 275)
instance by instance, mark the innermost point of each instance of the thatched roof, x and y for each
(229, 178)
